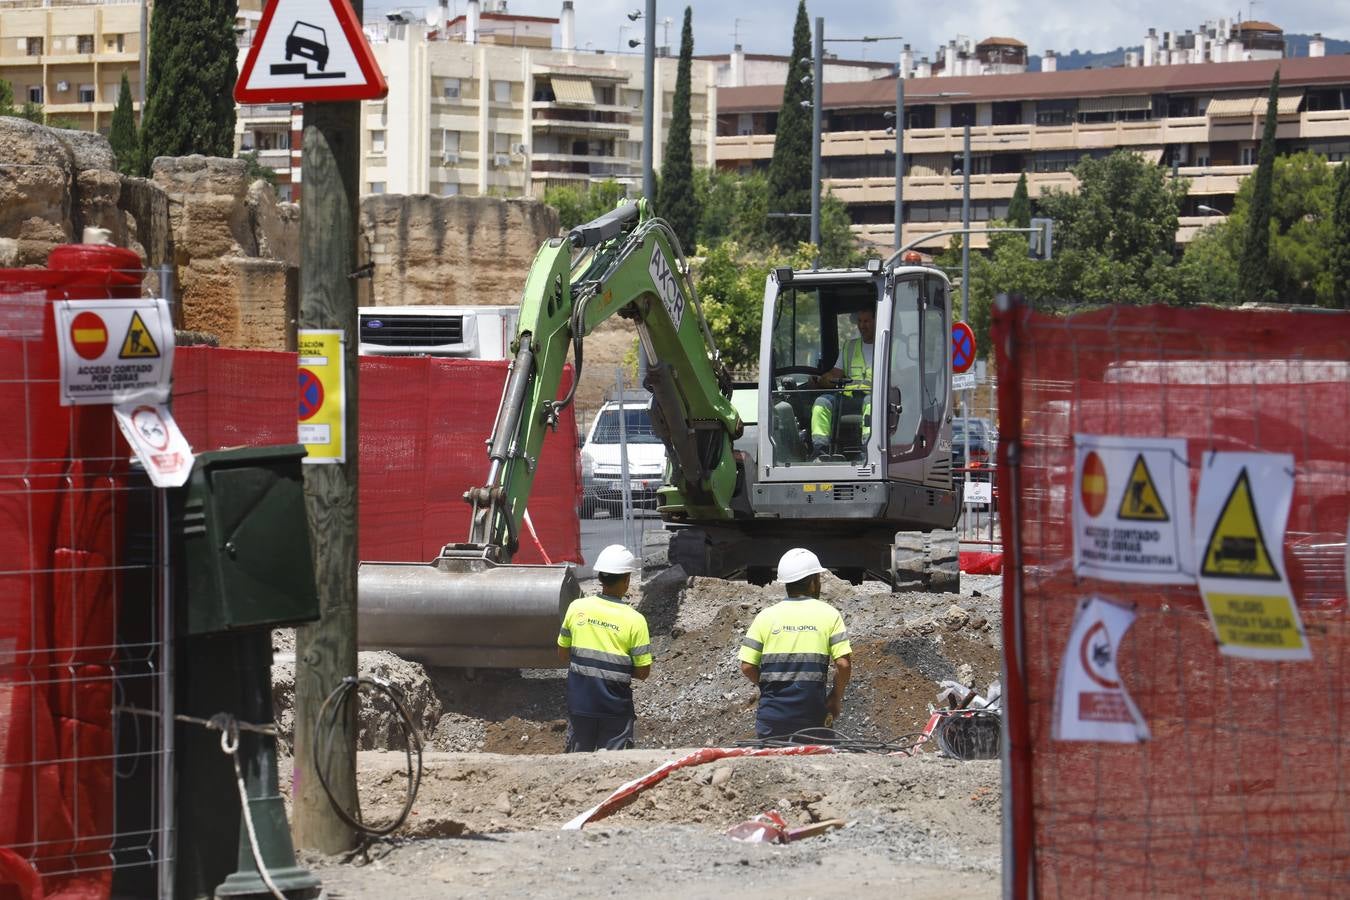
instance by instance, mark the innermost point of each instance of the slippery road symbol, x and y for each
(308, 42)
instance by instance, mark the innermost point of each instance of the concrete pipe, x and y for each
(465, 612)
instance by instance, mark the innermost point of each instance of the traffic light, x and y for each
(1042, 240)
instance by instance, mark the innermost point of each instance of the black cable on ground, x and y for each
(831, 737)
(334, 706)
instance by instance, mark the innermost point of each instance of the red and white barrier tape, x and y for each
(629, 792)
(529, 525)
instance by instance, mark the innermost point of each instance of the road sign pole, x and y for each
(325, 652)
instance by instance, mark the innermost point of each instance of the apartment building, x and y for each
(1202, 122)
(69, 56)
(513, 114)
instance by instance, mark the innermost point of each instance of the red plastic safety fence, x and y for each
(1243, 788)
(78, 607)
(423, 426)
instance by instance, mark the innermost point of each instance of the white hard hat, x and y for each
(616, 560)
(797, 564)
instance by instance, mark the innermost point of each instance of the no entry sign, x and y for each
(114, 351)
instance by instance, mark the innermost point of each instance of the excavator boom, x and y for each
(471, 606)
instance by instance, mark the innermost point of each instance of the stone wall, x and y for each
(466, 251)
(234, 250)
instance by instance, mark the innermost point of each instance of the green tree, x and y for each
(732, 207)
(1300, 229)
(790, 167)
(1019, 208)
(1207, 273)
(253, 170)
(30, 110)
(577, 205)
(1340, 240)
(190, 105)
(730, 282)
(677, 202)
(1254, 277)
(122, 135)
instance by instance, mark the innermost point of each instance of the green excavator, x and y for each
(745, 480)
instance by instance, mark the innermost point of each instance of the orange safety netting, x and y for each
(1242, 790)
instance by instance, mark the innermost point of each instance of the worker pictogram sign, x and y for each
(963, 347)
(1141, 502)
(306, 51)
(1091, 703)
(138, 344)
(1236, 548)
(114, 351)
(1092, 485)
(1131, 511)
(322, 396)
(88, 335)
(155, 438)
(1241, 511)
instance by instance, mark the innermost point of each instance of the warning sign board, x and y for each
(1240, 515)
(1140, 501)
(139, 343)
(1091, 703)
(1236, 548)
(306, 51)
(1131, 511)
(157, 442)
(322, 396)
(114, 351)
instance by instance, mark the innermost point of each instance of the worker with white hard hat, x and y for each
(788, 651)
(605, 644)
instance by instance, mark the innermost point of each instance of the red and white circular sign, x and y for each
(89, 335)
(1092, 485)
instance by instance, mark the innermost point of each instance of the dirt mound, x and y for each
(903, 644)
(379, 720)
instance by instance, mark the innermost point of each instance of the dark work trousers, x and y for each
(587, 733)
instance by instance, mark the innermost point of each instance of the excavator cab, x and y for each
(885, 336)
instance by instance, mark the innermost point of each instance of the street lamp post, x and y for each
(965, 223)
(648, 89)
(817, 92)
(899, 117)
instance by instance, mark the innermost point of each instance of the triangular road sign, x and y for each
(1236, 548)
(1141, 501)
(306, 51)
(139, 343)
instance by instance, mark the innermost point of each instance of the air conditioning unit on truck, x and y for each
(739, 488)
(463, 332)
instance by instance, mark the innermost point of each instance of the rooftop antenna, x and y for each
(736, 30)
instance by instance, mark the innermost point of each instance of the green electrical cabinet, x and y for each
(246, 560)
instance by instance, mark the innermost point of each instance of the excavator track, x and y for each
(926, 562)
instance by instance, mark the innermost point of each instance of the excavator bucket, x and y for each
(469, 612)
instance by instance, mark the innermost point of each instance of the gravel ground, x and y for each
(497, 788)
(923, 826)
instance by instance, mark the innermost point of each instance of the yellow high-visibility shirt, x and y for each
(793, 642)
(607, 639)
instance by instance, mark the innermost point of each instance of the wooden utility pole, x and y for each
(325, 652)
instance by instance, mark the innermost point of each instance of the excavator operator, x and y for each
(855, 365)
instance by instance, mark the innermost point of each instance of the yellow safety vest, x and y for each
(793, 643)
(856, 368)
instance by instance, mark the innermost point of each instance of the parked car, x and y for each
(602, 459)
(983, 442)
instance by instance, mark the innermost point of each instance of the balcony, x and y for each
(261, 113)
(567, 165)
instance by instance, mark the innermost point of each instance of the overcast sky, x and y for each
(765, 26)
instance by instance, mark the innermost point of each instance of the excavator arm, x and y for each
(627, 262)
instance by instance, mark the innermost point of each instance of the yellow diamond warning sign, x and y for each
(138, 344)
(1141, 501)
(1236, 547)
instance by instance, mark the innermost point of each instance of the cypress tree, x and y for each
(122, 136)
(790, 168)
(1340, 239)
(676, 201)
(1019, 208)
(1254, 277)
(189, 106)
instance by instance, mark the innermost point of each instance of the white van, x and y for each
(463, 332)
(601, 459)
